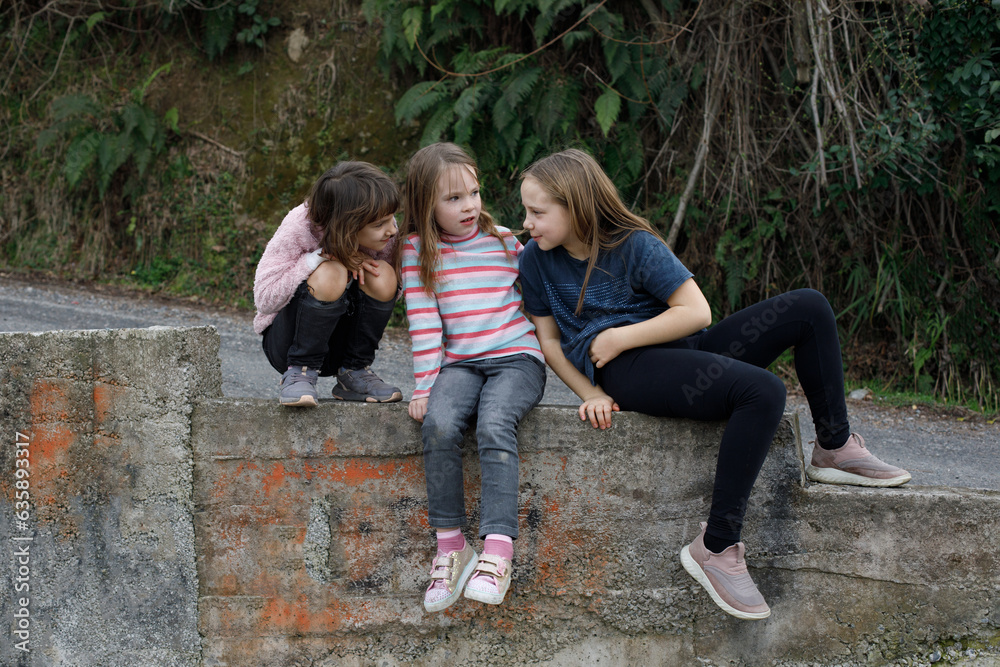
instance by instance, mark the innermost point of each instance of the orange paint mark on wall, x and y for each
(105, 397)
(275, 478)
(49, 402)
(50, 445)
(279, 616)
(357, 471)
(227, 584)
(223, 480)
(337, 616)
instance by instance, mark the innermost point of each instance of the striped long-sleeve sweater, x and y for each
(475, 311)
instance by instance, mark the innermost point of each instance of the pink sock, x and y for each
(453, 540)
(495, 545)
(499, 545)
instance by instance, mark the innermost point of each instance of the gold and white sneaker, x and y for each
(448, 576)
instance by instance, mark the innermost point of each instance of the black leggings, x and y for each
(327, 335)
(720, 374)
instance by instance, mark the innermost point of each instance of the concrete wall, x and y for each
(111, 576)
(171, 526)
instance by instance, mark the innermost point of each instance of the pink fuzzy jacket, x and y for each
(284, 265)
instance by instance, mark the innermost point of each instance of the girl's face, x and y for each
(376, 234)
(457, 204)
(548, 220)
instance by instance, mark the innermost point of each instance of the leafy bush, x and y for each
(511, 79)
(224, 19)
(103, 142)
(843, 146)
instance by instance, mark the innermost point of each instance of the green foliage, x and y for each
(959, 63)
(224, 20)
(218, 24)
(258, 26)
(209, 250)
(512, 97)
(929, 163)
(896, 223)
(104, 141)
(743, 248)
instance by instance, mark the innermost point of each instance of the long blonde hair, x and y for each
(420, 192)
(596, 212)
(345, 199)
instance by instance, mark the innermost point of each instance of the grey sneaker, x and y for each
(298, 387)
(724, 576)
(853, 464)
(363, 385)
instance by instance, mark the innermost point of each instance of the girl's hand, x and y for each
(418, 408)
(606, 346)
(598, 410)
(369, 265)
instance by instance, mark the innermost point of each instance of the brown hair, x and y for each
(345, 199)
(598, 217)
(426, 167)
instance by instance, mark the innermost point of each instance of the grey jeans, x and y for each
(497, 393)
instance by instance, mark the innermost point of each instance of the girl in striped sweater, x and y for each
(475, 356)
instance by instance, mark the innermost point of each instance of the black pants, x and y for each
(327, 335)
(719, 374)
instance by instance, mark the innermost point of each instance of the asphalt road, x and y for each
(939, 449)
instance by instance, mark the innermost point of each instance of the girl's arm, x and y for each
(286, 262)
(597, 405)
(689, 313)
(426, 331)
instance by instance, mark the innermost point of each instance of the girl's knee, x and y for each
(383, 286)
(765, 391)
(774, 390)
(497, 433)
(329, 281)
(438, 433)
(812, 301)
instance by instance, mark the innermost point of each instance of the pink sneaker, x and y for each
(853, 464)
(725, 577)
(449, 573)
(491, 579)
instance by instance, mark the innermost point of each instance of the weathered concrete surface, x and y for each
(111, 577)
(172, 527)
(315, 546)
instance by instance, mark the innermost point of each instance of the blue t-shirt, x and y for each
(629, 284)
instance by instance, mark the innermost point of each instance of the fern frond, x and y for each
(509, 140)
(72, 106)
(80, 156)
(437, 125)
(412, 22)
(463, 131)
(606, 108)
(471, 99)
(112, 152)
(418, 99)
(141, 118)
(529, 150)
(521, 86)
(618, 58)
(49, 136)
(503, 114)
(218, 24)
(142, 155)
(555, 108)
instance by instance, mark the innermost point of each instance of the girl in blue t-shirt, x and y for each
(622, 322)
